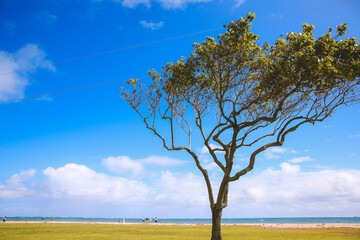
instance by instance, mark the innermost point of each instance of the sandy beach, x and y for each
(307, 225)
(265, 225)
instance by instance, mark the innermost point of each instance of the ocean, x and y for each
(197, 220)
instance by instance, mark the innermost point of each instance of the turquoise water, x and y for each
(198, 220)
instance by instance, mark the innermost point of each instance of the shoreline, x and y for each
(263, 225)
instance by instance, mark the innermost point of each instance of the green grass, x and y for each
(71, 231)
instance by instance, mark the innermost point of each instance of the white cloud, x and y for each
(182, 189)
(327, 126)
(74, 181)
(162, 161)
(286, 191)
(135, 3)
(287, 168)
(289, 191)
(123, 164)
(78, 181)
(15, 185)
(301, 159)
(31, 56)
(206, 160)
(237, 167)
(238, 3)
(204, 149)
(18, 179)
(167, 4)
(13, 85)
(211, 166)
(151, 25)
(275, 152)
(171, 4)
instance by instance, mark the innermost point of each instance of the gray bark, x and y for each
(216, 223)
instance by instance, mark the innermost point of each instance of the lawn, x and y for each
(71, 231)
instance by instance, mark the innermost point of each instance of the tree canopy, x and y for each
(256, 94)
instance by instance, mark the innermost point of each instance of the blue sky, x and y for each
(87, 153)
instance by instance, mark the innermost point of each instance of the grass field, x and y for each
(73, 231)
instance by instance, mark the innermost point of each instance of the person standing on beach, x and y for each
(42, 219)
(52, 219)
(4, 219)
(156, 220)
(143, 219)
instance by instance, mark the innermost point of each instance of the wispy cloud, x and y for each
(15, 186)
(135, 3)
(45, 98)
(238, 3)
(46, 17)
(327, 126)
(161, 161)
(124, 164)
(206, 160)
(276, 152)
(167, 4)
(300, 159)
(354, 136)
(13, 85)
(152, 25)
(205, 150)
(9, 25)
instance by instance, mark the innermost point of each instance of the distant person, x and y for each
(143, 219)
(150, 220)
(156, 220)
(147, 219)
(162, 221)
(4, 219)
(42, 218)
(52, 219)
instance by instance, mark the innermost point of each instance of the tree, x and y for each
(238, 94)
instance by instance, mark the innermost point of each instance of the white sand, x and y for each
(307, 225)
(265, 225)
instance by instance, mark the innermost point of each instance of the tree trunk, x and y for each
(216, 223)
